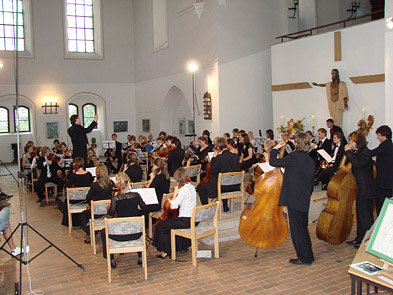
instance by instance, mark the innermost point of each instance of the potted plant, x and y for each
(93, 143)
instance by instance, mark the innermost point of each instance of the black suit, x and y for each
(335, 129)
(79, 140)
(362, 169)
(325, 145)
(118, 156)
(296, 190)
(224, 162)
(384, 164)
(43, 166)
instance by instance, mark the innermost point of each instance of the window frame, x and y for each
(8, 120)
(28, 33)
(28, 115)
(98, 34)
(83, 112)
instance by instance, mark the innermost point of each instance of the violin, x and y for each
(335, 221)
(262, 223)
(53, 157)
(166, 151)
(167, 211)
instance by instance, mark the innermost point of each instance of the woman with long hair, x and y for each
(132, 168)
(100, 189)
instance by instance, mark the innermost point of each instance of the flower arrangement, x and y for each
(297, 127)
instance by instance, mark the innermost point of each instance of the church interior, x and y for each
(256, 62)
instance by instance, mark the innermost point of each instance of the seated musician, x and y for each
(100, 189)
(151, 141)
(132, 168)
(49, 173)
(78, 178)
(337, 154)
(323, 143)
(27, 159)
(142, 141)
(90, 161)
(222, 161)
(56, 146)
(246, 153)
(175, 159)
(184, 197)
(201, 153)
(226, 136)
(269, 134)
(162, 134)
(114, 158)
(231, 146)
(206, 134)
(289, 147)
(65, 151)
(123, 204)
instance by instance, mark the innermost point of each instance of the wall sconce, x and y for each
(50, 105)
(354, 8)
(1, 65)
(294, 8)
(389, 23)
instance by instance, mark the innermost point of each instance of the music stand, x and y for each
(108, 144)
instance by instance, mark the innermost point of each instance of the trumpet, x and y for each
(324, 164)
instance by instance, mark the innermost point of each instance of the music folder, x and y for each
(325, 155)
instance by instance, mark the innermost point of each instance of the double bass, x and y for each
(262, 223)
(335, 221)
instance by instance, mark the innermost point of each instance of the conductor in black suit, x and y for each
(222, 161)
(296, 191)
(79, 137)
(384, 164)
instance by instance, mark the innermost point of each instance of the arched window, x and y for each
(72, 110)
(4, 120)
(88, 112)
(24, 119)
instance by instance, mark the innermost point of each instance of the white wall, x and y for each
(49, 73)
(311, 59)
(389, 66)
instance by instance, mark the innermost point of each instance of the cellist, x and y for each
(296, 191)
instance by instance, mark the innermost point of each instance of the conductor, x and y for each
(79, 137)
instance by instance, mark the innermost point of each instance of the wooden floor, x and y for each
(237, 271)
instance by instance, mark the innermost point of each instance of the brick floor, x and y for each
(237, 271)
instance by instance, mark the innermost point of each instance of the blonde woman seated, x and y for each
(125, 204)
(184, 197)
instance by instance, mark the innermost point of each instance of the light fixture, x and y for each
(389, 23)
(294, 8)
(192, 67)
(50, 105)
(1, 65)
(354, 8)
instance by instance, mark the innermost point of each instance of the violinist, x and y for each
(231, 146)
(65, 151)
(269, 134)
(226, 136)
(27, 159)
(175, 159)
(90, 160)
(206, 134)
(337, 154)
(384, 164)
(142, 142)
(123, 204)
(222, 161)
(56, 146)
(49, 173)
(296, 191)
(201, 153)
(246, 152)
(78, 178)
(184, 197)
(162, 134)
(100, 189)
(132, 168)
(114, 158)
(359, 156)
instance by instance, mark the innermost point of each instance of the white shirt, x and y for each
(186, 199)
(336, 148)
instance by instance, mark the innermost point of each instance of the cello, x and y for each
(262, 223)
(335, 221)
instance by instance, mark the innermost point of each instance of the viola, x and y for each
(166, 151)
(262, 224)
(335, 221)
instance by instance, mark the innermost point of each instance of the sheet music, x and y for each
(108, 144)
(92, 171)
(113, 179)
(148, 195)
(210, 154)
(266, 167)
(325, 155)
(384, 240)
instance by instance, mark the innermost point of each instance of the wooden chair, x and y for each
(97, 208)
(139, 184)
(50, 185)
(125, 226)
(230, 178)
(157, 214)
(192, 171)
(76, 194)
(34, 179)
(201, 214)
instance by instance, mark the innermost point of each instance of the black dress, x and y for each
(125, 205)
(245, 149)
(135, 173)
(175, 160)
(76, 180)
